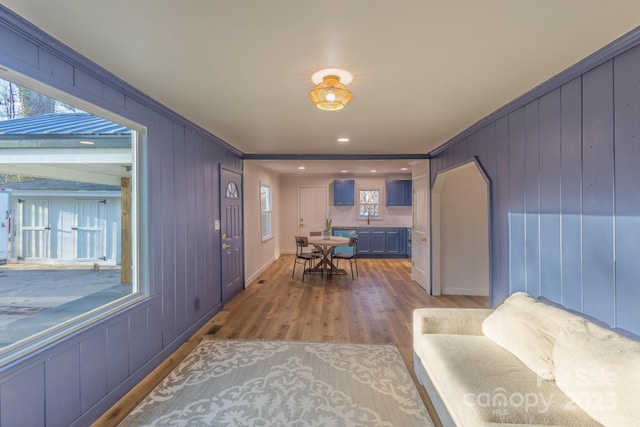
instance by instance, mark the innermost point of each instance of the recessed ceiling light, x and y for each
(343, 171)
(404, 169)
(86, 142)
(373, 170)
(301, 168)
(343, 140)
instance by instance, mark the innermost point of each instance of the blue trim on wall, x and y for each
(44, 41)
(565, 168)
(618, 46)
(77, 378)
(335, 156)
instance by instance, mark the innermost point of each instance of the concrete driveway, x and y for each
(35, 297)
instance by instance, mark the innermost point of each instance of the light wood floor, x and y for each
(375, 308)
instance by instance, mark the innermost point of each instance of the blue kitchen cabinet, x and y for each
(371, 240)
(399, 192)
(343, 192)
(407, 240)
(393, 241)
(378, 241)
(364, 240)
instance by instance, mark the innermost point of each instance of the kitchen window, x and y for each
(369, 204)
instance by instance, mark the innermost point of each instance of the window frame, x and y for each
(378, 205)
(267, 213)
(139, 225)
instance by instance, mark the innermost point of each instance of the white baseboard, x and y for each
(254, 276)
(465, 291)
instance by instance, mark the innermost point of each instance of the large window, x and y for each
(265, 211)
(68, 215)
(369, 204)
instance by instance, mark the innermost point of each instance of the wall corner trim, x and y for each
(608, 52)
(44, 41)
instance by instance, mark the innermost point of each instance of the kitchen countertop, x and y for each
(371, 226)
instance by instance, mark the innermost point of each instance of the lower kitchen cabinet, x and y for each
(381, 242)
(364, 241)
(378, 241)
(393, 241)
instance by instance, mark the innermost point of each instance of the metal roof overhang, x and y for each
(72, 147)
(96, 165)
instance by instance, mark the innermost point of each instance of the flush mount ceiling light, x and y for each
(330, 92)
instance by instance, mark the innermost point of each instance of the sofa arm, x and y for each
(457, 321)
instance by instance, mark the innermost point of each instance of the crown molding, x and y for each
(46, 42)
(608, 52)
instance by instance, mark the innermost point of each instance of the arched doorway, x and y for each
(460, 236)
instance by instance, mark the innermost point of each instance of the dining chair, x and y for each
(348, 255)
(315, 234)
(303, 257)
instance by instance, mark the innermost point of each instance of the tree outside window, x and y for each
(369, 204)
(69, 199)
(265, 211)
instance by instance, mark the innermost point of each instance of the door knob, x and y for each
(424, 239)
(225, 246)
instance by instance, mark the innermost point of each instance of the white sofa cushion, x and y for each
(600, 370)
(458, 321)
(482, 384)
(527, 328)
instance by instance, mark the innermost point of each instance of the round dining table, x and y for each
(326, 246)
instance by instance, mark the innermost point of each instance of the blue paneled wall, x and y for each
(75, 380)
(565, 175)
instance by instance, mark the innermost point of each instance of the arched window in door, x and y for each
(232, 191)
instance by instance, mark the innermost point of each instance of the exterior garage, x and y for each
(66, 222)
(65, 203)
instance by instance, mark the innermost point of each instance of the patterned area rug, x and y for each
(282, 383)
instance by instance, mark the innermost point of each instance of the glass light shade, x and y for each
(330, 94)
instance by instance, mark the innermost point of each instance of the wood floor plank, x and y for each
(375, 308)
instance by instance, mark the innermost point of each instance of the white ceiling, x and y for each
(339, 168)
(424, 70)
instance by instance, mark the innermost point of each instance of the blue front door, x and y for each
(231, 233)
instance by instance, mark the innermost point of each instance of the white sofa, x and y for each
(524, 363)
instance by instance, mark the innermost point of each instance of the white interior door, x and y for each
(312, 209)
(420, 271)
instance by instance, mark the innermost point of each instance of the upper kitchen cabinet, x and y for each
(399, 192)
(343, 192)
